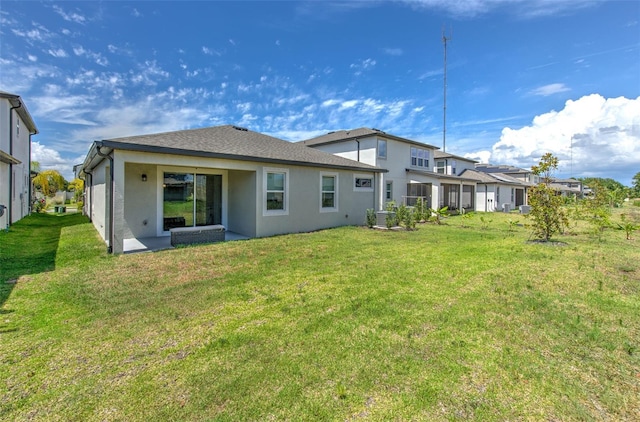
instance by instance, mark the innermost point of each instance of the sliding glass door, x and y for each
(191, 200)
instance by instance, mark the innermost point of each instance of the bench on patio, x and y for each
(198, 234)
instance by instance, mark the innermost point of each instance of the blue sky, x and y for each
(525, 77)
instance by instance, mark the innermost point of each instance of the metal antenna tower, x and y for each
(444, 108)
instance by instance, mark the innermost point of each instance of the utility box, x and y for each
(506, 207)
(381, 217)
(525, 209)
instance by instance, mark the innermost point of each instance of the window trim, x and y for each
(265, 172)
(418, 155)
(363, 176)
(335, 192)
(386, 144)
(388, 190)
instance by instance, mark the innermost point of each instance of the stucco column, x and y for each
(118, 204)
(381, 192)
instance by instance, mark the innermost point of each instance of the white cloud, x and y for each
(521, 8)
(393, 51)
(210, 52)
(70, 16)
(550, 89)
(591, 136)
(58, 53)
(50, 159)
(348, 104)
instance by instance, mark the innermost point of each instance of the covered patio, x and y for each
(154, 244)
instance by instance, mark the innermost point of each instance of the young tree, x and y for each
(49, 182)
(635, 189)
(77, 186)
(546, 204)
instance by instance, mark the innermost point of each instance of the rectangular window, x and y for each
(389, 191)
(441, 167)
(276, 191)
(420, 157)
(328, 192)
(363, 182)
(513, 194)
(382, 148)
(453, 167)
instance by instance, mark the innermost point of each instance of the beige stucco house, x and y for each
(253, 184)
(16, 129)
(415, 170)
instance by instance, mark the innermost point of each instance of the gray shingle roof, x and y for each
(483, 177)
(234, 143)
(344, 135)
(440, 154)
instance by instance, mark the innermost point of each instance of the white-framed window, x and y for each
(382, 148)
(328, 192)
(513, 195)
(419, 157)
(388, 191)
(363, 182)
(453, 167)
(276, 191)
(441, 167)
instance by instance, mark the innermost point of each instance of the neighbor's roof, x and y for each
(449, 177)
(21, 109)
(352, 134)
(483, 177)
(490, 168)
(441, 154)
(230, 142)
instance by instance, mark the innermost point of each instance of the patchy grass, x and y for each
(442, 323)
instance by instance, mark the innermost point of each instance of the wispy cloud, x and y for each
(521, 8)
(363, 65)
(70, 16)
(393, 51)
(550, 89)
(58, 52)
(210, 52)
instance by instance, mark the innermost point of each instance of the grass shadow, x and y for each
(30, 247)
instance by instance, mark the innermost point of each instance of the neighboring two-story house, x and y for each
(413, 172)
(16, 128)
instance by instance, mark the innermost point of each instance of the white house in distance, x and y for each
(507, 185)
(415, 170)
(496, 191)
(253, 184)
(16, 129)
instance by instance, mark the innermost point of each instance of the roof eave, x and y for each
(167, 150)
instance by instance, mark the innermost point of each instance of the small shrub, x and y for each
(438, 214)
(465, 217)
(409, 220)
(79, 204)
(371, 217)
(484, 222)
(636, 203)
(39, 205)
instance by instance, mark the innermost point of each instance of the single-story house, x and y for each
(497, 191)
(253, 184)
(16, 129)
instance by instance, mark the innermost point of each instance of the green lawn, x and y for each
(442, 323)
